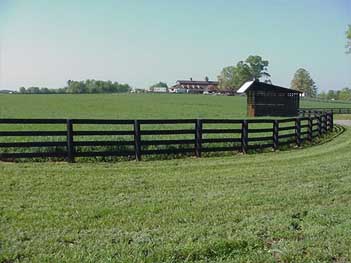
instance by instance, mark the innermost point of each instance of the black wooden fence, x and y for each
(309, 111)
(200, 136)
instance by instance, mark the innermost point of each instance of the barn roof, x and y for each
(197, 82)
(254, 84)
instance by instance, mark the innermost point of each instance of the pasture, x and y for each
(287, 206)
(131, 106)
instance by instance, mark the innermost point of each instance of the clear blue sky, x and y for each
(45, 43)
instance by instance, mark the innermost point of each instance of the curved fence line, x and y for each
(307, 111)
(137, 138)
(326, 101)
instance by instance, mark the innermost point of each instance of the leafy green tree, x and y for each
(159, 84)
(348, 39)
(22, 90)
(254, 67)
(33, 90)
(303, 82)
(87, 86)
(258, 67)
(95, 86)
(45, 91)
(332, 95)
(345, 94)
(322, 95)
(227, 78)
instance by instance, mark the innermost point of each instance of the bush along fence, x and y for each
(138, 138)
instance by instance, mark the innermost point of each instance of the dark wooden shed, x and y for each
(270, 100)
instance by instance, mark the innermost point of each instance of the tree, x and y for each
(345, 94)
(332, 95)
(254, 67)
(258, 67)
(348, 39)
(22, 90)
(322, 95)
(87, 86)
(303, 82)
(45, 91)
(227, 78)
(33, 90)
(160, 84)
(95, 86)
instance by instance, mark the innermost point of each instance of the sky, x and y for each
(45, 43)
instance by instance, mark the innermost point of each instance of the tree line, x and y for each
(80, 87)
(256, 68)
(344, 94)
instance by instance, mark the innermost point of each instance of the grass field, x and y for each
(131, 106)
(288, 206)
(292, 206)
(126, 106)
(122, 106)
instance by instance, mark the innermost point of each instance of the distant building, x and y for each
(269, 100)
(135, 90)
(194, 86)
(158, 89)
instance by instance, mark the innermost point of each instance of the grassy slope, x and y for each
(290, 206)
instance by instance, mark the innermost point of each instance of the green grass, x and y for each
(123, 106)
(288, 206)
(342, 116)
(130, 106)
(316, 103)
(291, 206)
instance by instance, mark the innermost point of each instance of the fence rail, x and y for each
(306, 111)
(144, 137)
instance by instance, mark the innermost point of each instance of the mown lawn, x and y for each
(291, 206)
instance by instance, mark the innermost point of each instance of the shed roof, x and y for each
(254, 84)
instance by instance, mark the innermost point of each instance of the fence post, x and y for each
(328, 121)
(275, 135)
(309, 129)
(198, 137)
(298, 131)
(319, 125)
(70, 145)
(325, 123)
(137, 140)
(244, 136)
